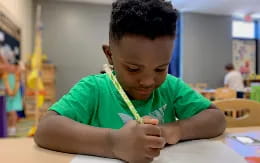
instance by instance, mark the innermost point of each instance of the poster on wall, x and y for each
(9, 47)
(244, 56)
(10, 36)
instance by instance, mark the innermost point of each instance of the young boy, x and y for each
(93, 118)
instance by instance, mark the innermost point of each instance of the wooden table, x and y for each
(24, 150)
(210, 94)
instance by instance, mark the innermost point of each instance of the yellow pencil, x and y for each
(122, 93)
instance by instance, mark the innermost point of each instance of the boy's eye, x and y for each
(160, 70)
(132, 69)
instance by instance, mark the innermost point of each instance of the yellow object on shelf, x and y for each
(32, 131)
(254, 77)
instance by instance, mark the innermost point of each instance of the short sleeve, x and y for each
(80, 102)
(186, 101)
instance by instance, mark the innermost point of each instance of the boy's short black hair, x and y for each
(149, 18)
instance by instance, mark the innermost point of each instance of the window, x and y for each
(242, 29)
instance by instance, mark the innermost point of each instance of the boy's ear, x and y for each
(108, 53)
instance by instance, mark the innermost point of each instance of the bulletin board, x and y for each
(244, 56)
(10, 36)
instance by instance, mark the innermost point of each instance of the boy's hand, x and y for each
(171, 132)
(136, 143)
(150, 120)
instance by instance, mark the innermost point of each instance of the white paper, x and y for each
(197, 151)
(93, 159)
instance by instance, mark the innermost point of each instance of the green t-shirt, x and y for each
(95, 101)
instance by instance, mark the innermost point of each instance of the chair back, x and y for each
(201, 86)
(240, 112)
(225, 93)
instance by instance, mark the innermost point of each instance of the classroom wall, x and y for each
(72, 37)
(73, 34)
(206, 48)
(20, 12)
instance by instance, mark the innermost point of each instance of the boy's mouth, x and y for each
(144, 92)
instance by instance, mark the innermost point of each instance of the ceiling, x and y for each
(238, 8)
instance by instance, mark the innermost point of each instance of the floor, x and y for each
(23, 127)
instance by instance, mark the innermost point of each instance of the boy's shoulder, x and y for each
(174, 84)
(91, 83)
(94, 80)
(170, 80)
(95, 77)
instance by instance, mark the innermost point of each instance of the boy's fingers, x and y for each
(153, 152)
(149, 120)
(149, 129)
(156, 142)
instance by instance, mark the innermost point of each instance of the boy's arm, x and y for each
(132, 143)
(206, 124)
(63, 134)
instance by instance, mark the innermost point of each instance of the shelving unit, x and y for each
(48, 77)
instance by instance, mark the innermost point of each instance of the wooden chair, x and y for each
(240, 112)
(201, 86)
(225, 93)
(192, 85)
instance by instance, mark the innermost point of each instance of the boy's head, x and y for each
(141, 36)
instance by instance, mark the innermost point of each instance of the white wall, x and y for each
(73, 35)
(206, 48)
(20, 12)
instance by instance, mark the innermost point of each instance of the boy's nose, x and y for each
(147, 82)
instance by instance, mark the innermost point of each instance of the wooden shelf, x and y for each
(48, 77)
(249, 81)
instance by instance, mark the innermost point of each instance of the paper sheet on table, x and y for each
(197, 151)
